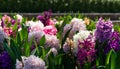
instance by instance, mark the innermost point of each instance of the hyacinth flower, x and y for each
(5, 61)
(31, 62)
(45, 18)
(8, 23)
(86, 51)
(75, 25)
(113, 42)
(103, 30)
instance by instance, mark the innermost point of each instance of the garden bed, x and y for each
(63, 42)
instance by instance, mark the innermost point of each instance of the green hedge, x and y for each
(59, 5)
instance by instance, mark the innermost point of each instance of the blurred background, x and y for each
(61, 6)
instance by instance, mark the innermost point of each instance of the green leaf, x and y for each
(113, 59)
(15, 26)
(64, 38)
(10, 52)
(42, 41)
(108, 59)
(34, 51)
(14, 47)
(107, 65)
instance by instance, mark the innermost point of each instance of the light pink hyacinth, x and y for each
(6, 19)
(50, 22)
(50, 30)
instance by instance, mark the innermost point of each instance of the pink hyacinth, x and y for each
(51, 30)
(6, 19)
(8, 31)
(50, 22)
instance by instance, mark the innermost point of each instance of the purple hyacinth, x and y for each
(103, 30)
(45, 17)
(114, 42)
(86, 50)
(5, 61)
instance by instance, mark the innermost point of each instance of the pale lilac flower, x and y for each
(75, 25)
(36, 35)
(31, 62)
(34, 62)
(78, 24)
(66, 47)
(19, 64)
(52, 41)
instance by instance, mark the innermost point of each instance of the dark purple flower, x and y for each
(2, 24)
(103, 30)
(13, 22)
(86, 50)
(45, 17)
(114, 42)
(5, 61)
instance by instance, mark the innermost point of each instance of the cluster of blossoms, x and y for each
(38, 29)
(31, 62)
(5, 61)
(82, 46)
(86, 50)
(45, 19)
(113, 42)
(79, 37)
(75, 25)
(103, 30)
(7, 24)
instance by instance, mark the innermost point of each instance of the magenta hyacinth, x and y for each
(103, 30)
(86, 50)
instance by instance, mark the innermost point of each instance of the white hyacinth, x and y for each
(19, 17)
